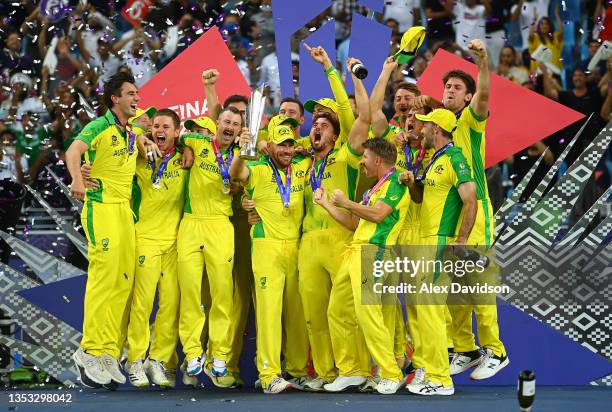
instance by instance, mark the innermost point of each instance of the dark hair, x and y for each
(382, 148)
(170, 113)
(411, 87)
(235, 98)
(233, 110)
(466, 78)
(550, 34)
(331, 119)
(113, 86)
(293, 100)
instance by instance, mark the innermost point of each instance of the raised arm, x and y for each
(238, 169)
(480, 101)
(517, 11)
(550, 90)
(359, 132)
(379, 120)
(448, 10)
(209, 79)
(559, 21)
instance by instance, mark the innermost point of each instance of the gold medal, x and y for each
(225, 189)
(286, 211)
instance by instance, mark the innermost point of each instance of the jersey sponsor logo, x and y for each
(86, 133)
(204, 152)
(176, 162)
(105, 243)
(262, 282)
(141, 260)
(300, 174)
(394, 197)
(439, 169)
(115, 141)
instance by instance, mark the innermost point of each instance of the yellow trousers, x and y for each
(205, 241)
(486, 315)
(333, 331)
(431, 346)
(243, 289)
(378, 338)
(278, 309)
(410, 237)
(156, 269)
(110, 276)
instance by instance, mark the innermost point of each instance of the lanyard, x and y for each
(130, 132)
(223, 167)
(433, 159)
(315, 180)
(162, 168)
(419, 158)
(285, 190)
(368, 193)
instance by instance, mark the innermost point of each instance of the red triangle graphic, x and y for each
(519, 117)
(179, 84)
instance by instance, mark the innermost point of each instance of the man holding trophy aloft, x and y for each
(206, 238)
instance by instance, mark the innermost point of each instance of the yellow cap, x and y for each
(282, 119)
(280, 134)
(329, 103)
(442, 117)
(411, 41)
(204, 122)
(150, 111)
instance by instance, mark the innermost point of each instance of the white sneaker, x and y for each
(194, 365)
(429, 388)
(462, 361)
(387, 386)
(90, 369)
(156, 371)
(418, 379)
(136, 373)
(171, 376)
(315, 385)
(489, 365)
(188, 380)
(299, 383)
(370, 384)
(342, 383)
(112, 367)
(277, 385)
(257, 384)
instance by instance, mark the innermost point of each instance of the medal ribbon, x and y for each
(131, 133)
(284, 190)
(315, 181)
(162, 167)
(433, 159)
(223, 167)
(419, 158)
(368, 193)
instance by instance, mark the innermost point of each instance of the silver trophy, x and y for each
(253, 122)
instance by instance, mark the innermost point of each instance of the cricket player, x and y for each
(111, 146)
(206, 239)
(446, 190)
(377, 221)
(276, 184)
(470, 103)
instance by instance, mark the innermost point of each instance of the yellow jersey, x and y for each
(276, 222)
(158, 211)
(341, 171)
(442, 204)
(386, 232)
(113, 161)
(413, 216)
(203, 194)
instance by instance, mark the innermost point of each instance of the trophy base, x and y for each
(249, 155)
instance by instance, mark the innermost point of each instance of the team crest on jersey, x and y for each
(300, 174)
(262, 282)
(331, 161)
(115, 141)
(105, 243)
(141, 260)
(176, 162)
(204, 152)
(439, 169)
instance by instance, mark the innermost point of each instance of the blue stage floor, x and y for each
(472, 399)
